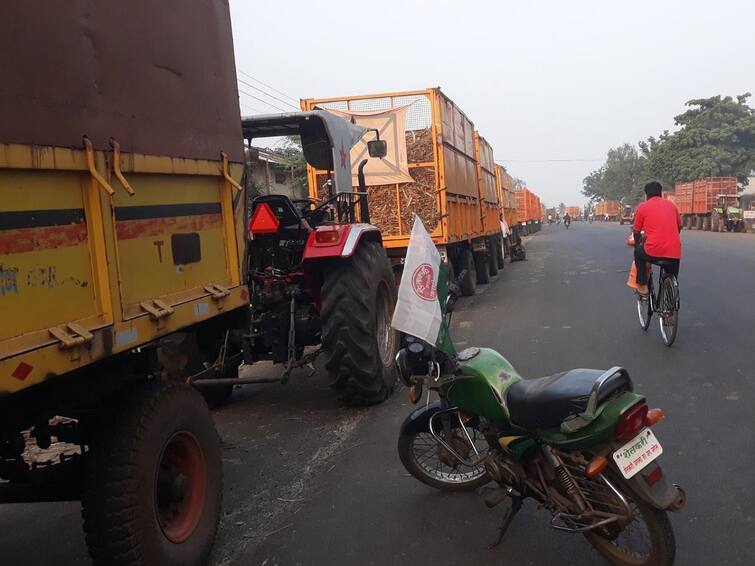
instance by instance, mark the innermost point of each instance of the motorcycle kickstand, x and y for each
(508, 517)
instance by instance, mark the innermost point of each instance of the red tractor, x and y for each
(319, 278)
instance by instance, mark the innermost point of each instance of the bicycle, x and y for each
(665, 304)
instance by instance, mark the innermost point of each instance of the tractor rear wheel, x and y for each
(359, 344)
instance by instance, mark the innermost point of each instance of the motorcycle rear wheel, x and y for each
(659, 535)
(420, 454)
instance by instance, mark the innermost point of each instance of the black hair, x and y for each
(653, 189)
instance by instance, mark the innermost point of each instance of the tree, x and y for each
(561, 208)
(716, 139)
(293, 157)
(518, 183)
(622, 177)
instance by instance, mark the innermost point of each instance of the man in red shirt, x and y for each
(659, 219)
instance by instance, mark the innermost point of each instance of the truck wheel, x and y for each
(481, 267)
(468, 285)
(153, 479)
(493, 244)
(500, 253)
(359, 344)
(714, 224)
(218, 395)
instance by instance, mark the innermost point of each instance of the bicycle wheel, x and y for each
(668, 318)
(645, 306)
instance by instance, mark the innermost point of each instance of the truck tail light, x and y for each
(263, 220)
(631, 422)
(327, 236)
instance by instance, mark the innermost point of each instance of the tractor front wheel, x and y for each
(359, 344)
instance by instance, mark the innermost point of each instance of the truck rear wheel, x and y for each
(359, 344)
(493, 245)
(481, 262)
(468, 284)
(500, 253)
(153, 479)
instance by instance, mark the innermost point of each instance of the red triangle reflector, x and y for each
(263, 220)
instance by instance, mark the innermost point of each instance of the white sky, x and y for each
(541, 80)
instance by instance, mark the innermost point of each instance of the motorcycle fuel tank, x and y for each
(480, 385)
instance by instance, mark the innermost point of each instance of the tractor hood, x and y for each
(326, 139)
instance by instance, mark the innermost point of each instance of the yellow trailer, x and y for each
(103, 251)
(121, 242)
(435, 176)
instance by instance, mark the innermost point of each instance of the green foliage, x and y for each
(293, 158)
(716, 138)
(518, 183)
(622, 177)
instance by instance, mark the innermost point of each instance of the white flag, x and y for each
(418, 310)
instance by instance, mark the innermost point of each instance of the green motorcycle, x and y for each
(580, 443)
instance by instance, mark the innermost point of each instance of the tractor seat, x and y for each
(545, 402)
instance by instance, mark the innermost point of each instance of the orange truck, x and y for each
(506, 196)
(707, 204)
(607, 210)
(574, 212)
(528, 209)
(437, 167)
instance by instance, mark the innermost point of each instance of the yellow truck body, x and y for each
(87, 274)
(105, 246)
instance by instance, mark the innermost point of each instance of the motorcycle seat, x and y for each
(545, 402)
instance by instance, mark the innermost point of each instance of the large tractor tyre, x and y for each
(481, 263)
(715, 223)
(493, 244)
(468, 284)
(706, 224)
(359, 345)
(153, 479)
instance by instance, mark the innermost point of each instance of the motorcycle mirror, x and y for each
(449, 306)
(404, 367)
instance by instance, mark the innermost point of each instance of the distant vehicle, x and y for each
(727, 214)
(707, 204)
(627, 214)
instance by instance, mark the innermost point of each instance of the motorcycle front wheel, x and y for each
(432, 464)
(648, 539)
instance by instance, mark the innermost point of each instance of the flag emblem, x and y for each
(423, 282)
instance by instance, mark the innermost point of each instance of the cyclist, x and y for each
(659, 220)
(567, 220)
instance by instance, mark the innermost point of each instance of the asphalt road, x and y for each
(311, 482)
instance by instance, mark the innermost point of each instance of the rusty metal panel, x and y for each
(159, 77)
